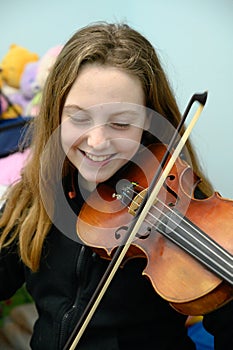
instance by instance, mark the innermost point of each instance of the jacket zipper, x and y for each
(80, 274)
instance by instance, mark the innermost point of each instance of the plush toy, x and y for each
(12, 67)
(13, 64)
(44, 66)
(27, 87)
(3, 102)
(46, 63)
(7, 109)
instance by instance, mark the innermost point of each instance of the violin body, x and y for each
(187, 242)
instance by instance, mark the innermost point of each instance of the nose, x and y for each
(97, 137)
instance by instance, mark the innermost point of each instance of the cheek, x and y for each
(129, 145)
(134, 138)
(69, 136)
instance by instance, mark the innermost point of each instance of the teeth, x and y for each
(97, 158)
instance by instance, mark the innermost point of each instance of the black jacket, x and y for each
(130, 316)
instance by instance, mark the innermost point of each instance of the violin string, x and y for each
(194, 228)
(187, 232)
(184, 220)
(227, 275)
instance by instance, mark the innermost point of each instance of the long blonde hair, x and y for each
(25, 217)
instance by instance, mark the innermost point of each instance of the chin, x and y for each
(97, 180)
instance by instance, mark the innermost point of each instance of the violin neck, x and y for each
(198, 244)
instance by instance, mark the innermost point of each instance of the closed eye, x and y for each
(78, 120)
(120, 125)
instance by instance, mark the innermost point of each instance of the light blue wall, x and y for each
(194, 40)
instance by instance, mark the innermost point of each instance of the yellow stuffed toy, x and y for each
(12, 67)
(13, 64)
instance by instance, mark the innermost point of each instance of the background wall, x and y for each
(193, 38)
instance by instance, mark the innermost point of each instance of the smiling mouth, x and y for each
(95, 158)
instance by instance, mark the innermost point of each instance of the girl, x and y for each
(93, 119)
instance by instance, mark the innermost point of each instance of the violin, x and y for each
(187, 241)
(151, 212)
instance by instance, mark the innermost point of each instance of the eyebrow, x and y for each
(76, 108)
(72, 108)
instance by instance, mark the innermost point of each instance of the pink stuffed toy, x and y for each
(44, 66)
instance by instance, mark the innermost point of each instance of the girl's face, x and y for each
(102, 121)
